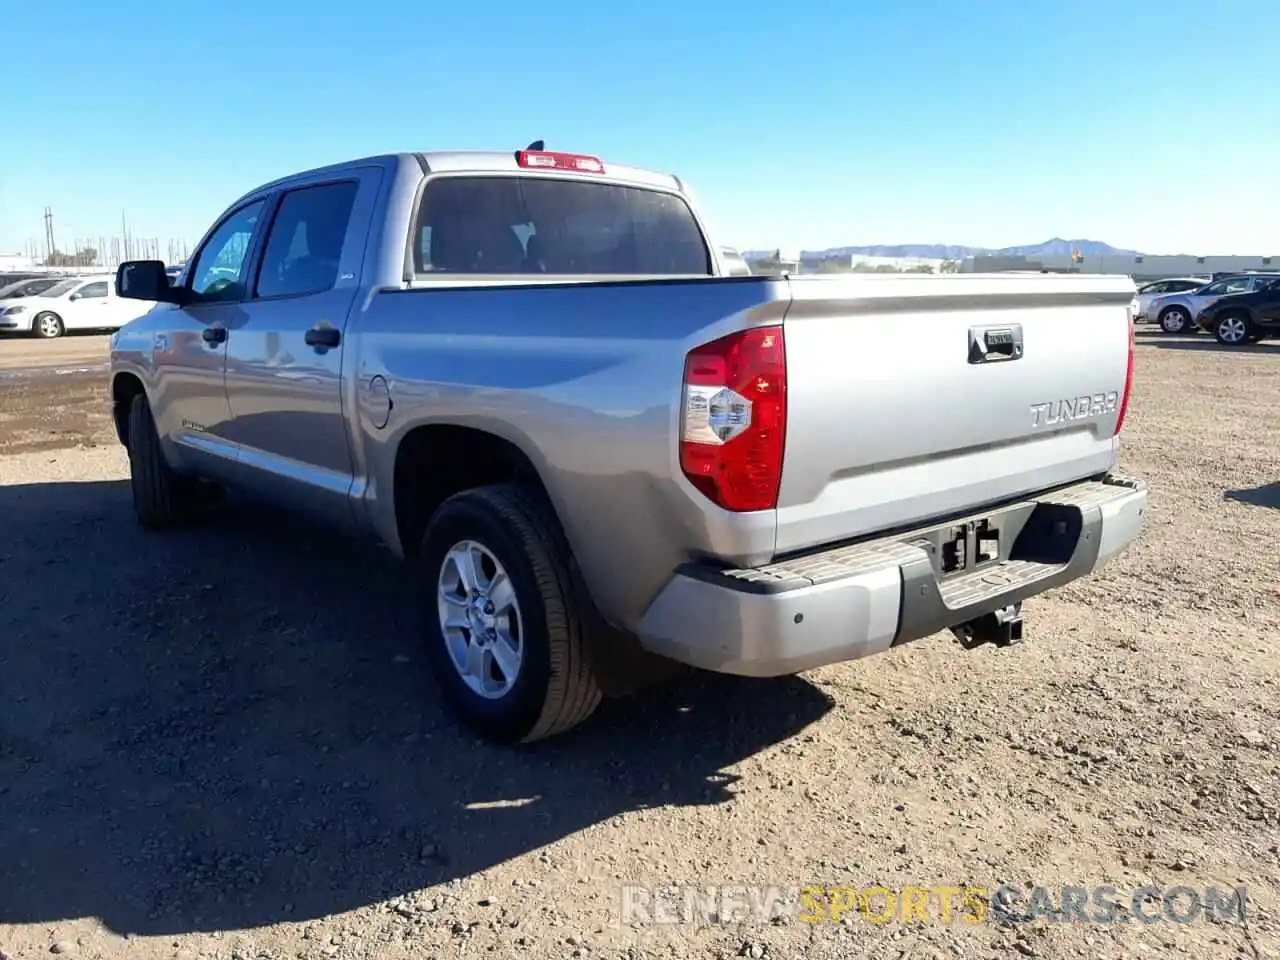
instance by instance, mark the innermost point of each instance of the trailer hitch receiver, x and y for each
(1001, 627)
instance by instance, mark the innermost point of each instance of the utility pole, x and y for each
(52, 247)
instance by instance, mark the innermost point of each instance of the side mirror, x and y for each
(145, 280)
(74, 296)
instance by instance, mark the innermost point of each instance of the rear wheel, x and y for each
(161, 497)
(505, 629)
(1232, 330)
(47, 326)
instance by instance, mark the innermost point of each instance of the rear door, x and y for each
(1221, 288)
(909, 399)
(284, 356)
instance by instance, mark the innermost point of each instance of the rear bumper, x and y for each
(862, 599)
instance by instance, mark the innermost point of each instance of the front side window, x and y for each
(60, 289)
(304, 246)
(220, 266)
(92, 290)
(542, 225)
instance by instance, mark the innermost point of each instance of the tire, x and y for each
(161, 497)
(1175, 320)
(48, 326)
(554, 686)
(1232, 329)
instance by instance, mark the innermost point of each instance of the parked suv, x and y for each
(1241, 318)
(1158, 288)
(1177, 312)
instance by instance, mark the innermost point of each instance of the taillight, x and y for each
(551, 160)
(1128, 383)
(734, 424)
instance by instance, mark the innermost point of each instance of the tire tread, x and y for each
(572, 692)
(159, 497)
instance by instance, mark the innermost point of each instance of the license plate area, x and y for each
(1036, 532)
(972, 544)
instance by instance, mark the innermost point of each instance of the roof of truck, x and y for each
(485, 161)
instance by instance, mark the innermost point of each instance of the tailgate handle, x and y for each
(988, 344)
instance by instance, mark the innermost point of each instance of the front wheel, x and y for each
(1174, 320)
(161, 497)
(1232, 330)
(48, 326)
(505, 629)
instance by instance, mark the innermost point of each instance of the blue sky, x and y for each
(1153, 125)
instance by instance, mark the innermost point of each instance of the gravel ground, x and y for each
(223, 742)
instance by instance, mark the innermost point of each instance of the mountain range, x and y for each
(1057, 247)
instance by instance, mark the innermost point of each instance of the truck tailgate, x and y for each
(902, 405)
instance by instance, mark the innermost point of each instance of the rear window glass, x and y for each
(518, 225)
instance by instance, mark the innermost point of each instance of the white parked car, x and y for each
(77, 303)
(734, 265)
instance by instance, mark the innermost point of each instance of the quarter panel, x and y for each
(586, 379)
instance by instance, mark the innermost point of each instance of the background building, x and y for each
(1139, 266)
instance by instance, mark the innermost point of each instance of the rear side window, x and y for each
(523, 225)
(304, 246)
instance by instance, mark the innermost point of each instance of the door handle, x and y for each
(323, 337)
(987, 344)
(214, 335)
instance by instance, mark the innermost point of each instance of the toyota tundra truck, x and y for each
(530, 374)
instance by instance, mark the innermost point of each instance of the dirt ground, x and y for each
(224, 742)
(73, 350)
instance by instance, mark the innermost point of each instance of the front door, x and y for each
(88, 308)
(190, 355)
(284, 357)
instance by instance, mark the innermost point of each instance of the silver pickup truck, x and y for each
(529, 373)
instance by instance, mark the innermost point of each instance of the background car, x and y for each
(9, 276)
(734, 265)
(1241, 318)
(1176, 312)
(76, 303)
(1158, 288)
(28, 288)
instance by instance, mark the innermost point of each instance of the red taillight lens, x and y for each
(734, 423)
(1128, 383)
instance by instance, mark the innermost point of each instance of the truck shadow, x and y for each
(1193, 342)
(1266, 495)
(231, 727)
